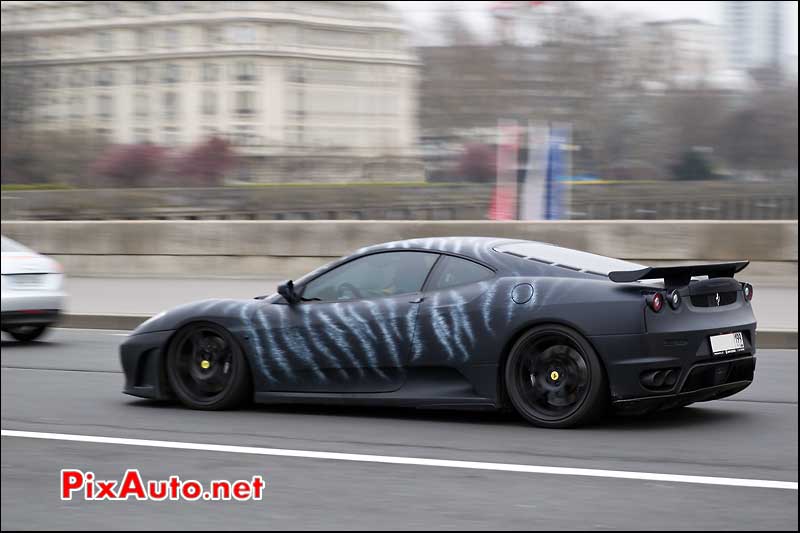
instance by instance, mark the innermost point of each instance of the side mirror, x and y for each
(287, 291)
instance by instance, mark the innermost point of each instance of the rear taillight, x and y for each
(656, 301)
(674, 299)
(747, 289)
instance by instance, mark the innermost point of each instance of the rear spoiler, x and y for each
(679, 276)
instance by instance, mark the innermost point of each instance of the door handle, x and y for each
(418, 300)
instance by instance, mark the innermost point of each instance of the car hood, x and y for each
(219, 310)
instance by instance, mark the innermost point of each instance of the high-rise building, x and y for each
(326, 86)
(682, 52)
(754, 34)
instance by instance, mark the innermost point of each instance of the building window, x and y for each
(41, 103)
(50, 79)
(244, 135)
(170, 105)
(76, 107)
(144, 39)
(105, 76)
(245, 103)
(211, 35)
(75, 13)
(77, 78)
(141, 135)
(241, 34)
(51, 108)
(296, 74)
(101, 10)
(39, 45)
(117, 9)
(141, 105)
(210, 72)
(104, 106)
(71, 44)
(141, 75)
(37, 79)
(12, 46)
(23, 46)
(245, 71)
(105, 41)
(172, 38)
(171, 74)
(171, 136)
(209, 103)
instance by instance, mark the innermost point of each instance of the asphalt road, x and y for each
(70, 383)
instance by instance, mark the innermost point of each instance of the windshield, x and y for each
(572, 259)
(12, 246)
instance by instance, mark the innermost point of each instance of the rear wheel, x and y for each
(26, 333)
(555, 379)
(207, 369)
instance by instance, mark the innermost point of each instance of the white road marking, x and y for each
(96, 330)
(416, 461)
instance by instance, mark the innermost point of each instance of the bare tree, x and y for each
(452, 27)
(16, 105)
(761, 135)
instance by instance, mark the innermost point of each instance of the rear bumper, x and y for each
(31, 300)
(699, 375)
(38, 317)
(704, 382)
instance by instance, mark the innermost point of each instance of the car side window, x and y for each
(454, 271)
(373, 276)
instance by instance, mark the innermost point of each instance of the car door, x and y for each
(353, 331)
(452, 325)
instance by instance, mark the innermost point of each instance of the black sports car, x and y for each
(555, 333)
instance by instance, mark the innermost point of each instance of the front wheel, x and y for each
(554, 378)
(207, 369)
(26, 333)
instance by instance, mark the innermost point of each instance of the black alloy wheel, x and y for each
(555, 379)
(206, 368)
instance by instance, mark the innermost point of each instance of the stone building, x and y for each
(304, 90)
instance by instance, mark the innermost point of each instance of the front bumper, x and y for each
(142, 358)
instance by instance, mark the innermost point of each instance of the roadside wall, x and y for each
(210, 248)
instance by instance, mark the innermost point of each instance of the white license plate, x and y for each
(27, 281)
(728, 343)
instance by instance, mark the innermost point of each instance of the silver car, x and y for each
(32, 291)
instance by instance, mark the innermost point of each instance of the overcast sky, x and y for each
(419, 14)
